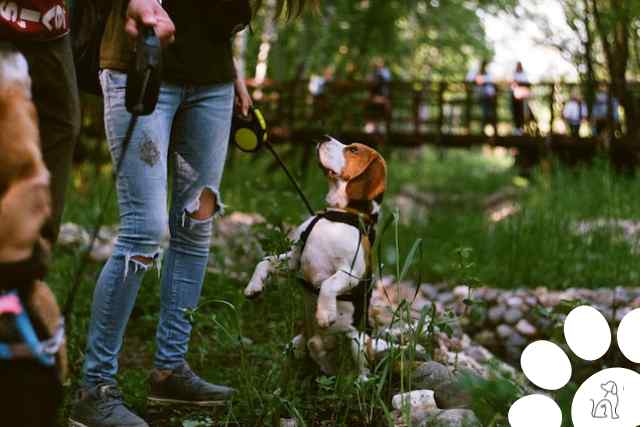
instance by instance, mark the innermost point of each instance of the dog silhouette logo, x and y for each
(607, 407)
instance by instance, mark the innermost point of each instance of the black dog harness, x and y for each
(361, 294)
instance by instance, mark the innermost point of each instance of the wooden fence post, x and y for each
(468, 106)
(417, 102)
(442, 86)
(552, 114)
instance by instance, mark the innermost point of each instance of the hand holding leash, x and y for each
(149, 14)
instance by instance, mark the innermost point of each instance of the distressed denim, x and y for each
(191, 124)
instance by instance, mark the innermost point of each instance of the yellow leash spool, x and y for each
(249, 132)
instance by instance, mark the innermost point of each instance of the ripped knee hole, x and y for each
(143, 259)
(207, 207)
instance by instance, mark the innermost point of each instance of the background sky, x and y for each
(521, 40)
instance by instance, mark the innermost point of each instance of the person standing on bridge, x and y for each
(378, 110)
(605, 115)
(520, 92)
(574, 112)
(485, 92)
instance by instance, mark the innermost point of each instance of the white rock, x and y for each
(515, 302)
(526, 328)
(512, 316)
(423, 399)
(454, 418)
(504, 331)
(73, 234)
(461, 292)
(428, 291)
(288, 422)
(496, 313)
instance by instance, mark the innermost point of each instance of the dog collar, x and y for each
(366, 218)
(24, 273)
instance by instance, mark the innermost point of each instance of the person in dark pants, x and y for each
(378, 107)
(485, 92)
(573, 113)
(55, 95)
(520, 92)
(39, 30)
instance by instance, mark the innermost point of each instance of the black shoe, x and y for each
(183, 386)
(102, 406)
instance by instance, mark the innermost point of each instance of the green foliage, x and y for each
(419, 39)
(491, 398)
(536, 246)
(246, 343)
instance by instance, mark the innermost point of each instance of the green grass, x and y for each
(538, 246)
(533, 248)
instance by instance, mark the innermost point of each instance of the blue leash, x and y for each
(44, 352)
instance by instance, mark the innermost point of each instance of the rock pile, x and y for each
(503, 321)
(437, 396)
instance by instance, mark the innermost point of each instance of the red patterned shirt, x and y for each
(33, 19)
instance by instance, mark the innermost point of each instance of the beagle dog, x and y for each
(332, 256)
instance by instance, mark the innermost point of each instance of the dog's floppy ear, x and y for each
(19, 137)
(371, 183)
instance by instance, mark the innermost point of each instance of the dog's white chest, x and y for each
(332, 247)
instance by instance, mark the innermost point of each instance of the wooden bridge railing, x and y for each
(418, 109)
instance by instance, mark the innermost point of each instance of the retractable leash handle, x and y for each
(144, 78)
(249, 133)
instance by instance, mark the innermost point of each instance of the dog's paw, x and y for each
(298, 346)
(364, 377)
(253, 289)
(326, 317)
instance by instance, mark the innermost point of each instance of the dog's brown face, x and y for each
(356, 172)
(24, 179)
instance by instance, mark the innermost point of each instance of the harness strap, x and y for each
(307, 231)
(44, 352)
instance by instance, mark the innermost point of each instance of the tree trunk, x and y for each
(590, 78)
(266, 39)
(240, 47)
(614, 37)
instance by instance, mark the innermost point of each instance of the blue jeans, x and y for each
(192, 124)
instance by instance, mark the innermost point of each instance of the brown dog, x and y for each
(31, 388)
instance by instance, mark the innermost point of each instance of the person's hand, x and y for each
(149, 13)
(23, 210)
(243, 99)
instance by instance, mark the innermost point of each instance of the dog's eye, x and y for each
(353, 149)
